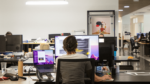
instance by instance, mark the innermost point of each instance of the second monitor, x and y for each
(87, 45)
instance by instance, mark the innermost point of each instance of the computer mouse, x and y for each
(14, 78)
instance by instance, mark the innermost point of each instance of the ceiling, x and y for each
(133, 6)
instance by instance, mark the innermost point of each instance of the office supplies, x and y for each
(44, 46)
(13, 77)
(43, 60)
(87, 45)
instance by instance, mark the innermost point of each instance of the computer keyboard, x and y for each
(45, 67)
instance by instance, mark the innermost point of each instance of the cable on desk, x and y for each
(29, 72)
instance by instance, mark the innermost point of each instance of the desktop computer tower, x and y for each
(106, 54)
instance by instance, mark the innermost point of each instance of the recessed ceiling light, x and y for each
(46, 2)
(120, 9)
(119, 21)
(126, 6)
(136, 0)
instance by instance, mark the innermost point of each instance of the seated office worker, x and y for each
(70, 45)
(101, 35)
(141, 37)
(8, 33)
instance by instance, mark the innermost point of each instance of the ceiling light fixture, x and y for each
(126, 6)
(136, 0)
(120, 9)
(46, 2)
(119, 21)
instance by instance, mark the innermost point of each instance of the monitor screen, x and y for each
(87, 45)
(139, 35)
(43, 57)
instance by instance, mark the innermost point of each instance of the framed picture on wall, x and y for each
(101, 22)
(101, 25)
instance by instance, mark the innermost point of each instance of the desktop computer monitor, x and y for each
(106, 53)
(2, 44)
(43, 57)
(108, 40)
(139, 35)
(87, 45)
(144, 34)
(14, 43)
(65, 34)
(147, 36)
(53, 36)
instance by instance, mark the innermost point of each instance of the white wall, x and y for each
(135, 29)
(126, 23)
(146, 22)
(39, 21)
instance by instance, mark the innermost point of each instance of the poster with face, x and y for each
(101, 25)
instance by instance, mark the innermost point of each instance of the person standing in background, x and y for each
(8, 33)
(101, 35)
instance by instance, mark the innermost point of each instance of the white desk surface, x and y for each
(30, 60)
(20, 81)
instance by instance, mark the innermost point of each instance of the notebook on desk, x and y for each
(43, 60)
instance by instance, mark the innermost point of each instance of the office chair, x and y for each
(134, 47)
(65, 63)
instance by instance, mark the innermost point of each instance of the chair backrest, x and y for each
(77, 61)
(132, 43)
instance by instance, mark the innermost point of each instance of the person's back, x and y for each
(74, 72)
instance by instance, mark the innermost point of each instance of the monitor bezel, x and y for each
(43, 64)
(79, 35)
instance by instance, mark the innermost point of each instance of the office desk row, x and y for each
(30, 60)
(119, 78)
(144, 49)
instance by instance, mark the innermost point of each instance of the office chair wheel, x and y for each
(42, 76)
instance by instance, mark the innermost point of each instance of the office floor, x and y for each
(144, 63)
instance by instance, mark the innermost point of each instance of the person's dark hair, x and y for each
(101, 34)
(142, 35)
(70, 44)
(8, 33)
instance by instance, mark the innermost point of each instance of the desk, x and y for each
(28, 62)
(125, 59)
(121, 77)
(144, 49)
(20, 81)
(9, 60)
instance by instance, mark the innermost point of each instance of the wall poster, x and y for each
(101, 25)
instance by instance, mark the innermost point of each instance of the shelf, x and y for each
(37, 43)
